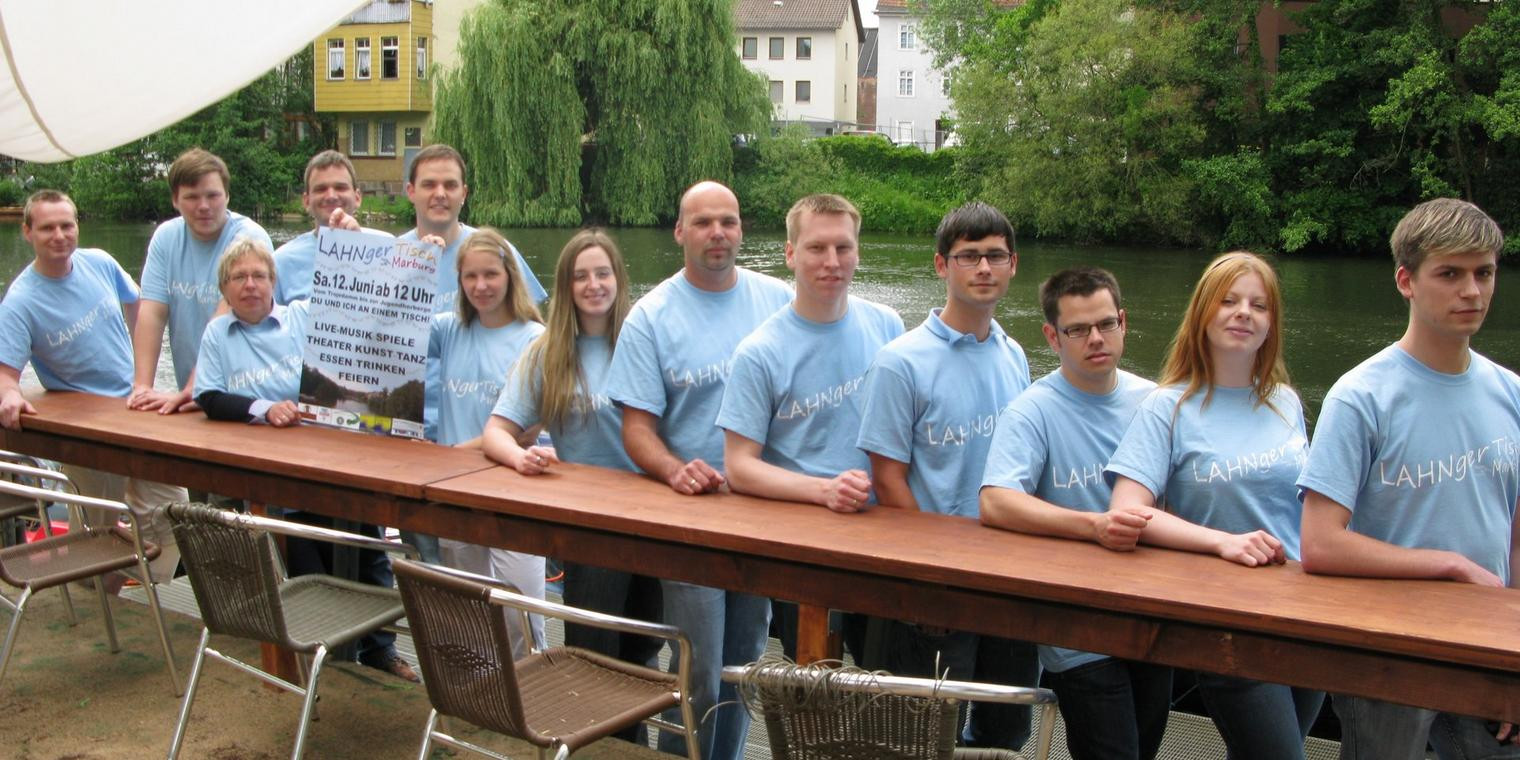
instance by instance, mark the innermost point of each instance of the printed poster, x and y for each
(366, 343)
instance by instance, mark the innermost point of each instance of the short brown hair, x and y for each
(1443, 227)
(45, 196)
(330, 158)
(819, 203)
(194, 164)
(434, 152)
(240, 249)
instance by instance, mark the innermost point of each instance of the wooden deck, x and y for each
(1440, 645)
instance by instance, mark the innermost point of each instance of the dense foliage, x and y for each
(650, 92)
(247, 129)
(1155, 120)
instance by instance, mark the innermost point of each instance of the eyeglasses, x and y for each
(969, 259)
(1076, 332)
(246, 276)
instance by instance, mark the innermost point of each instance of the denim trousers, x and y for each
(1114, 709)
(905, 649)
(615, 593)
(1376, 730)
(1260, 721)
(725, 628)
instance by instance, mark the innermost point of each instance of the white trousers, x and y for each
(524, 571)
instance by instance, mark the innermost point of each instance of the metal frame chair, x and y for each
(84, 552)
(242, 591)
(20, 508)
(817, 712)
(559, 699)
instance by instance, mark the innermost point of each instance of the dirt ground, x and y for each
(66, 697)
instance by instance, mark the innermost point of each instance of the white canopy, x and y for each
(83, 76)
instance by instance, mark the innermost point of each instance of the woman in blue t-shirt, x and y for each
(559, 385)
(475, 347)
(1220, 444)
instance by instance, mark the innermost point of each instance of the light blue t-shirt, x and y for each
(295, 263)
(795, 385)
(932, 399)
(261, 361)
(180, 271)
(1423, 459)
(592, 433)
(446, 300)
(71, 328)
(1230, 466)
(1053, 442)
(474, 361)
(674, 352)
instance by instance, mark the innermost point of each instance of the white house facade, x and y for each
(912, 96)
(807, 50)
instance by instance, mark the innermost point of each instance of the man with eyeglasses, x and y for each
(1044, 475)
(932, 398)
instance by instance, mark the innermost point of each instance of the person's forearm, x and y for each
(1173, 532)
(757, 477)
(225, 407)
(499, 442)
(147, 342)
(1012, 509)
(893, 492)
(649, 452)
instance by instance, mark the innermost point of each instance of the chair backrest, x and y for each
(232, 570)
(464, 649)
(816, 713)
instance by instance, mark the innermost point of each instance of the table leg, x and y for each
(814, 639)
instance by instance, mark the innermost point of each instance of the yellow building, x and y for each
(372, 73)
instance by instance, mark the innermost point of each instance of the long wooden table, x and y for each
(1441, 645)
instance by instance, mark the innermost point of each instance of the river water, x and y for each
(1338, 310)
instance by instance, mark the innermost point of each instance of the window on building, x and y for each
(414, 137)
(421, 58)
(905, 83)
(778, 91)
(361, 58)
(335, 59)
(805, 49)
(358, 138)
(751, 48)
(907, 37)
(804, 91)
(944, 85)
(390, 58)
(905, 133)
(778, 48)
(387, 138)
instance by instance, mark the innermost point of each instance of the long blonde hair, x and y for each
(519, 304)
(553, 353)
(1189, 359)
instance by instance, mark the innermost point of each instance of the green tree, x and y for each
(607, 108)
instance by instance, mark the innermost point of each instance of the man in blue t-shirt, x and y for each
(179, 277)
(931, 400)
(668, 372)
(1044, 476)
(1414, 470)
(795, 380)
(332, 197)
(69, 313)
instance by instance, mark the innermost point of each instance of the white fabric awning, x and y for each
(83, 76)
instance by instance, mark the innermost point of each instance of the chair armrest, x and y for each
(63, 497)
(343, 538)
(38, 473)
(922, 687)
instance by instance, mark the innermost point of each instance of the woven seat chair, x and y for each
(84, 552)
(558, 700)
(242, 592)
(817, 712)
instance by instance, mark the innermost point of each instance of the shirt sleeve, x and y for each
(15, 338)
(126, 288)
(155, 276)
(520, 399)
(438, 331)
(890, 412)
(1144, 454)
(1340, 456)
(1018, 453)
(634, 377)
(210, 375)
(747, 398)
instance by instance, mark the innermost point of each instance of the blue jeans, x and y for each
(725, 628)
(426, 546)
(1113, 708)
(1260, 721)
(1374, 730)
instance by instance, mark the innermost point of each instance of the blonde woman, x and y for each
(1221, 443)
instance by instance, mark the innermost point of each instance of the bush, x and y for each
(11, 192)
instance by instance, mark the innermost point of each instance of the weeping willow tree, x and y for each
(648, 93)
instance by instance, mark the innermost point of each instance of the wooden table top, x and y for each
(1449, 621)
(375, 463)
